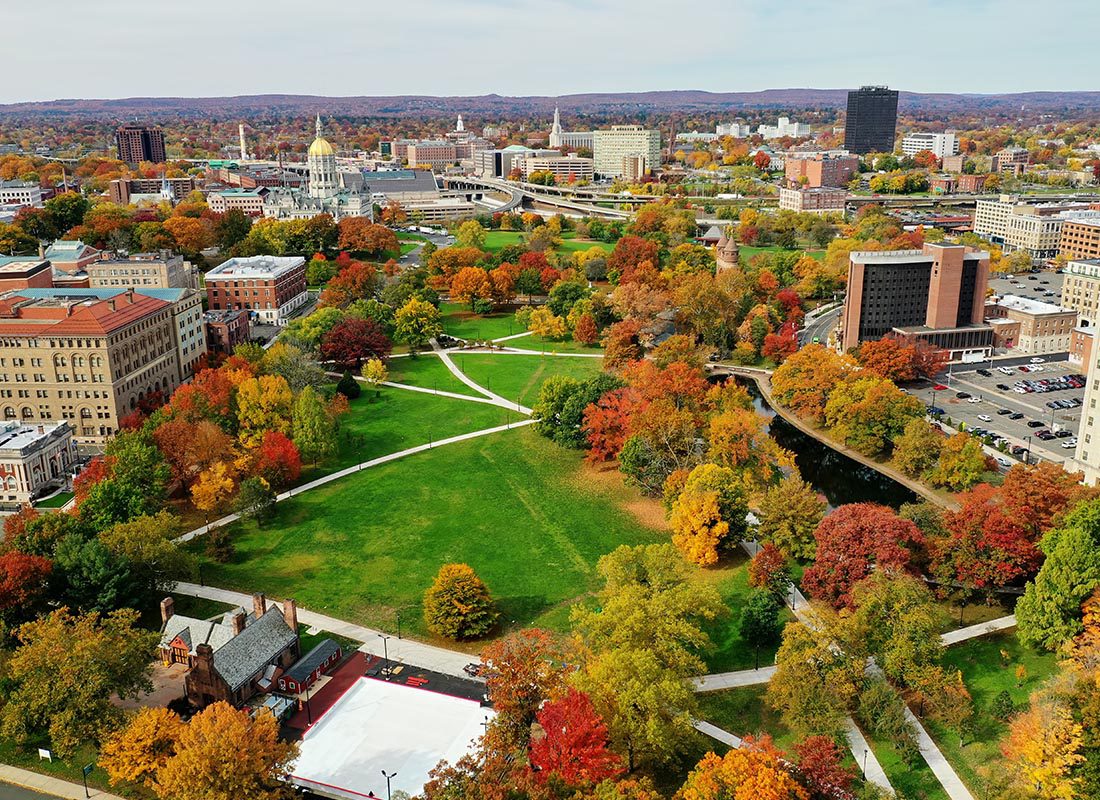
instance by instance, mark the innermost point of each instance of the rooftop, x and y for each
(253, 648)
(1029, 306)
(255, 267)
(15, 437)
(18, 265)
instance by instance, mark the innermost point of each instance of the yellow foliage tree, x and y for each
(225, 754)
(136, 753)
(375, 373)
(264, 404)
(743, 774)
(213, 487)
(1042, 748)
(546, 324)
(698, 527)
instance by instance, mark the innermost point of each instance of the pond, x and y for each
(836, 476)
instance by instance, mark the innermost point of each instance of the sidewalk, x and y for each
(48, 785)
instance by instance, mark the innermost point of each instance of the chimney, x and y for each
(290, 614)
(238, 622)
(204, 653)
(259, 605)
(167, 609)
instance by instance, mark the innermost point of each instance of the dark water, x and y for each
(836, 476)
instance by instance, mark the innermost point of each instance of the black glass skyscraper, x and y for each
(872, 120)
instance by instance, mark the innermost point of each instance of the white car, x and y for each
(1037, 360)
(973, 399)
(1004, 462)
(1006, 370)
(1069, 444)
(1037, 368)
(985, 418)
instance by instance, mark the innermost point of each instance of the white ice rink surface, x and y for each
(379, 726)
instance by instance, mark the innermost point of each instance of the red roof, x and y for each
(96, 317)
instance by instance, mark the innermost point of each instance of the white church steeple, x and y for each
(555, 130)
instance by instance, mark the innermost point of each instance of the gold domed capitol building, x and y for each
(328, 191)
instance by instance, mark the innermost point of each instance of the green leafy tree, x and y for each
(94, 579)
(137, 483)
(147, 543)
(458, 605)
(348, 386)
(314, 433)
(789, 513)
(470, 234)
(255, 499)
(961, 464)
(760, 622)
(917, 450)
(62, 675)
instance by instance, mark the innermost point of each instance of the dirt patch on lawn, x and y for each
(607, 478)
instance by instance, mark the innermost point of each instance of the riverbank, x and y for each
(762, 379)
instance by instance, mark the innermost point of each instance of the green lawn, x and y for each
(57, 501)
(916, 782)
(520, 377)
(989, 667)
(495, 240)
(748, 251)
(533, 342)
(731, 580)
(428, 371)
(522, 511)
(65, 769)
(399, 419)
(743, 712)
(459, 321)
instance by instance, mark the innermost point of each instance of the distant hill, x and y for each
(498, 105)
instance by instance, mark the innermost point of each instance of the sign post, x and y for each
(84, 775)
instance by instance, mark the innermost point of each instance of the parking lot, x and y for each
(991, 402)
(1044, 286)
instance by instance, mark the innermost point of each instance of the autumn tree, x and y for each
(868, 412)
(522, 672)
(607, 424)
(822, 766)
(214, 486)
(621, 345)
(917, 450)
(574, 743)
(889, 357)
(960, 465)
(805, 381)
(277, 460)
(1036, 496)
(850, 542)
(739, 440)
(353, 340)
(789, 513)
(471, 284)
(586, 332)
(63, 673)
(747, 772)
(546, 325)
(190, 447)
(148, 545)
(709, 514)
(375, 374)
(24, 582)
(360, 235)
(457, 605)
(470, 234)
(137, 752)
(1042, 749)
(264, 404)
(313, 431)
(768, 570)
(416, 322)
(203, 767)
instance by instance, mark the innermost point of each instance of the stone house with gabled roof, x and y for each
(233, 658)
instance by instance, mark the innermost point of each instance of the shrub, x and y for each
(348, 386)
(458, 605)
(1002, 706)
(219, 546)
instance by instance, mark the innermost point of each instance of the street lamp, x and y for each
(309, 713)
(389, 776)
(385, 646)
(1027, 455)
(865, 751)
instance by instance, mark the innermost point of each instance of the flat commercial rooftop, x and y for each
(379, 726)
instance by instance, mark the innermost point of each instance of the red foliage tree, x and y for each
(928, 359)
(889, 357)
(621, 345)
(1035, 496)
(607, 423)
(208, 396)
(23, 580)
(574, 744)
(98, 469)
(788, 300)
(987, 545)
(762, 160)
(277, 460)
(779, 346)
(586, 331)
(681, 384)
(852, 540)
(632, 251)
(533, 260)
(15, 525)
(548, 277)
(353, 340)
(821, 764)
(768, 570)
(354, 282)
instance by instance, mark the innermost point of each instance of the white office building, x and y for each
(610, 147)
(941, 144)
(784, 127)
(735, 129)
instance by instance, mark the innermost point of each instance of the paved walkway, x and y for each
(407, 651)
(865, 757)
(513, 336)
(440, 392)
(937, 762)
(374, 462)
(732, 680)
(444, 356)
(49, 785)
(714, 732)
(981, 629)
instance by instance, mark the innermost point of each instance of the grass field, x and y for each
(520, 377)
(743, 712)
(523, 512)
(428, 371)
(399, 419)
(989, 667)
(57, 501)
(545, 345)
(459, 321)
(495, 240)
(916, 782)
(747, 251)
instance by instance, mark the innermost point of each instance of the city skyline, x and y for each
(211, 50)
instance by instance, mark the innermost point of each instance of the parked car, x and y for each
(973, 399)
(1063, 434)
(1069, 444)
(984, 373)
(1016, 415)
(939, 387)
(1004, 462)
(1034, 423)
(962, 395)
(1002, 411)
(985, 418)
(936, 411)
(1003, 387)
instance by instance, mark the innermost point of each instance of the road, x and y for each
(9, 792)
(821, 327)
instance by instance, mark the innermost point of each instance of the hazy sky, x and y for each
(127, 48)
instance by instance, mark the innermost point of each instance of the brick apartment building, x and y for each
(936, 294)
(225, 330)
(137, 143)
(248, 201)
(820, 169)
(24, 272)
(126, 190)
(1080, 239)
(271, 287)
(822, 200)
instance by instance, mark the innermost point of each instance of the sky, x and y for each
(205, 48)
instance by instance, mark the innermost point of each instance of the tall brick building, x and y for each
(271, 287)
(136, 143)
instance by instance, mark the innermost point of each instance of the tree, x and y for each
(263, 404)
(375, 374)
(136, 484)
(631, 252)
(621, 345)
(24, 581)
(889, 357)
(742, 774)
(348, 386)
(471, 284)
(768, 570)
(821, 764)
(760, 623)
(61, 676)
(92, 578)
(353, 340)
(850, 541)
(814, 680)
(917, 450)
(1036, 496)
(277, 460)
(458, 605)
(213, 487)
(148, 545)
(789, 513)
(739, 440)
(360, 235)
(868, 412)
(1049, 613)
(522, 673)
(255, 499)
(804, 381)
(204, 767)
(314, 433)
(295, 366)
(416, 322)
(586, 332)
(546, 325)
(961, 463)
(470, 234)
(137, 752)
(607, 424)
(574, 742)
(1042, 749)
(697, 527)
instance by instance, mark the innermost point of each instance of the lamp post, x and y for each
(385, 646)
(309, 713)
(865, 752)
(388, 776)
(1027, 455)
